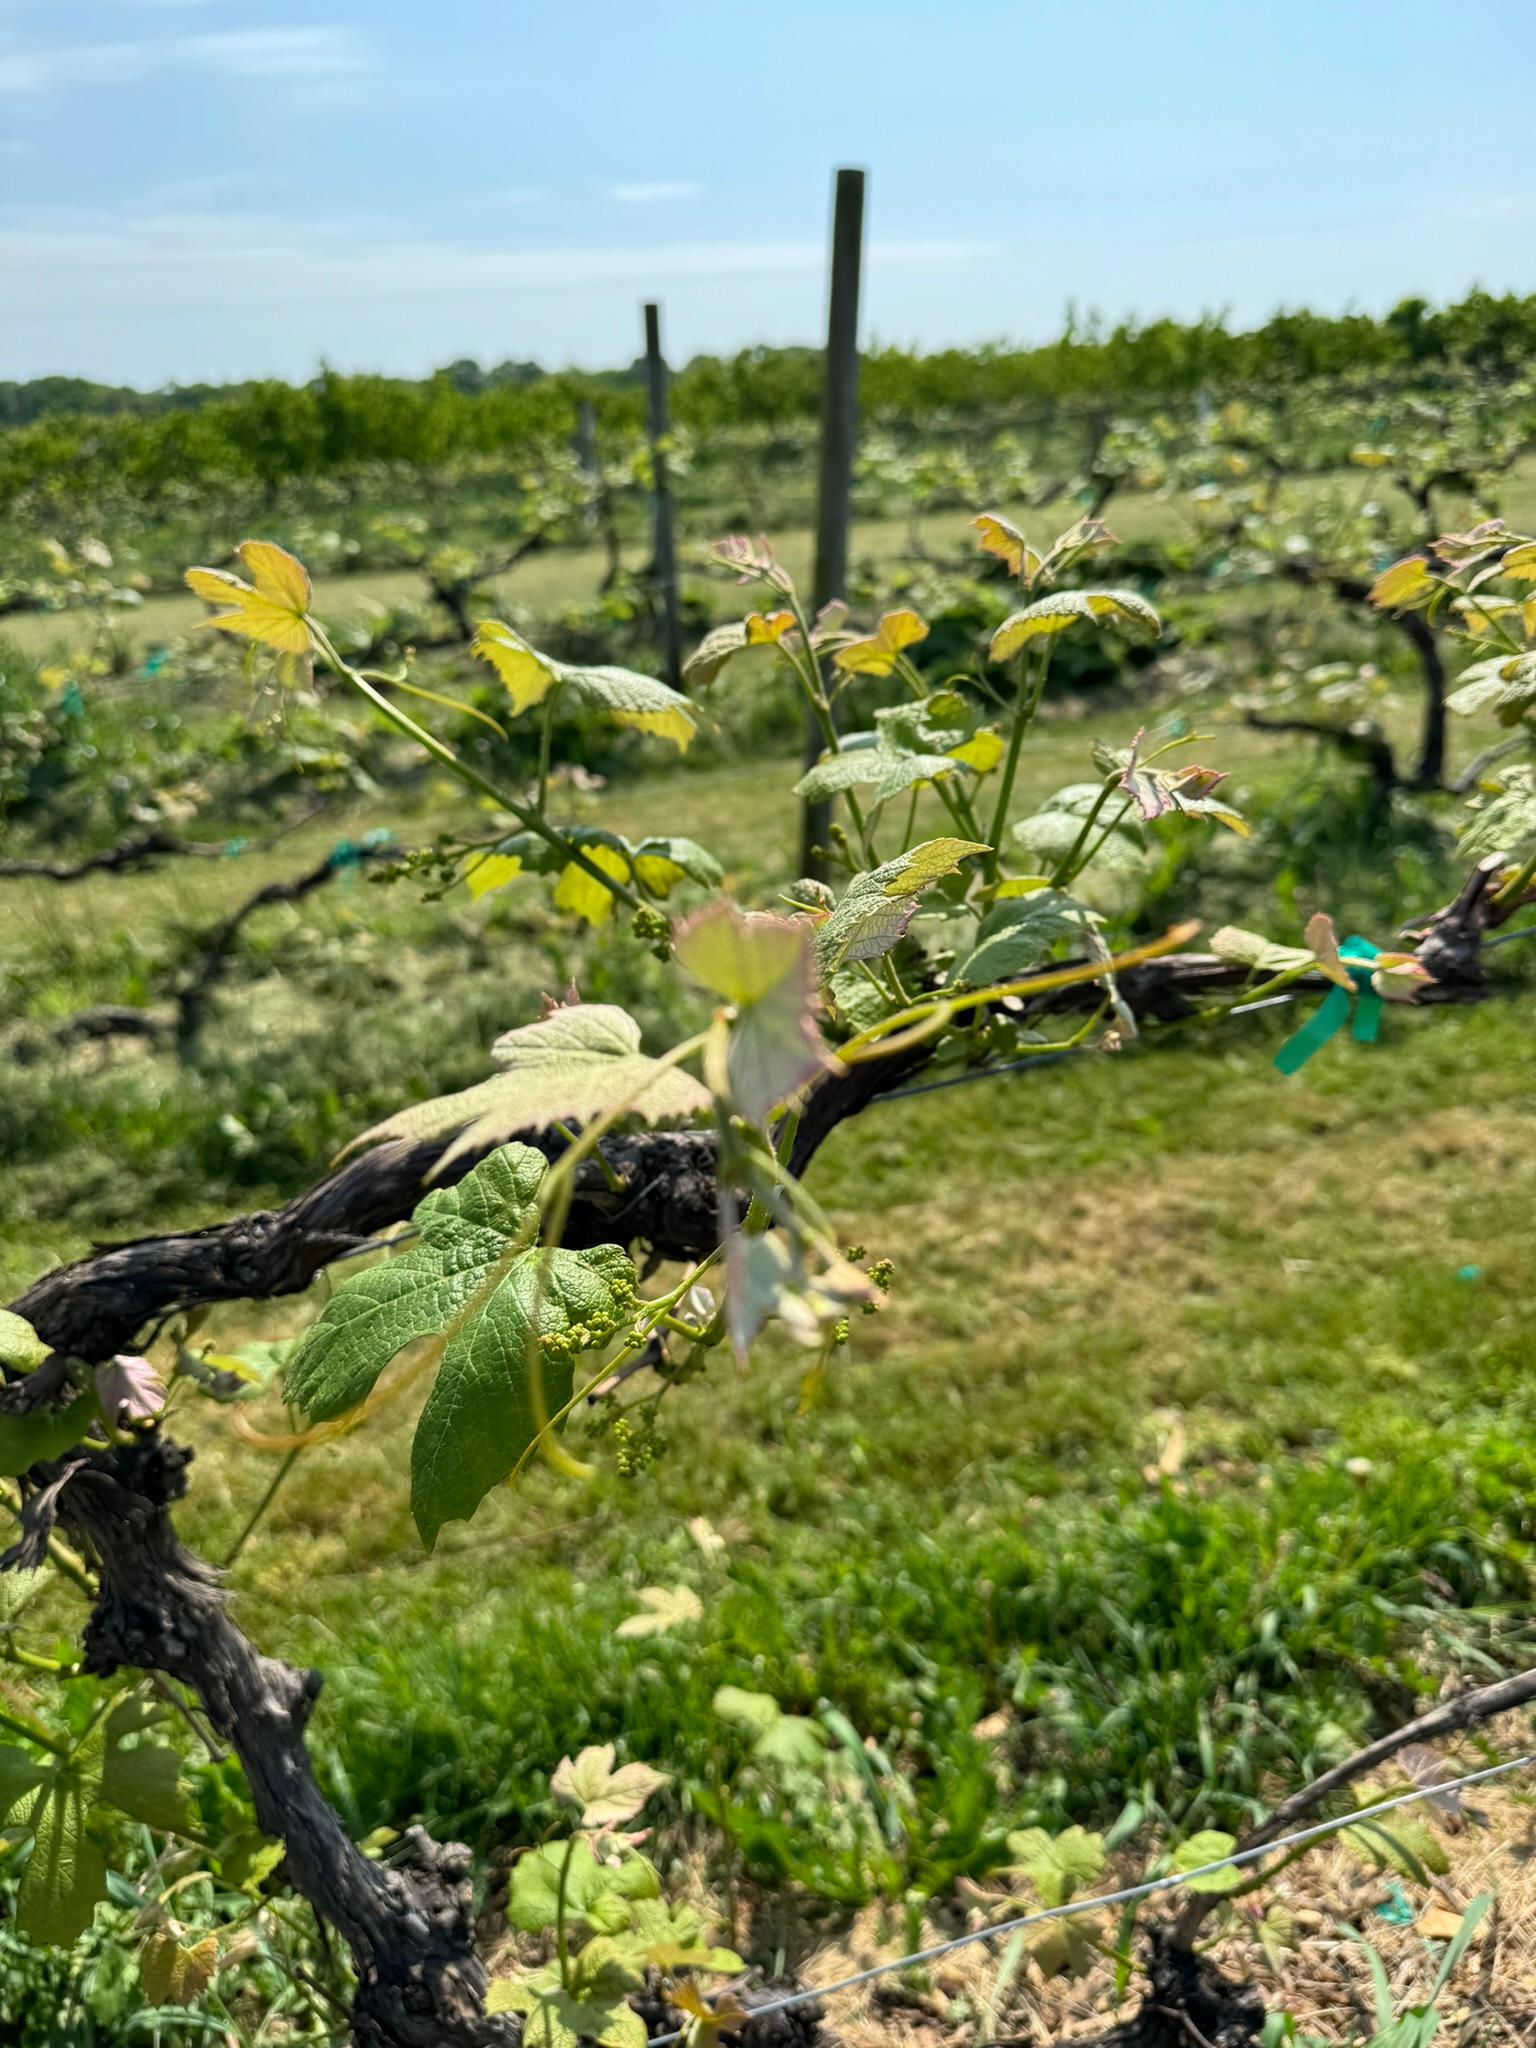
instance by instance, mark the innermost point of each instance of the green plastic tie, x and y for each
(1357, 956)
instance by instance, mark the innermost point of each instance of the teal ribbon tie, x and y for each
(1358, 957)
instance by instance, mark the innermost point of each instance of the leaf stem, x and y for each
(1026, 703)
(260, 1509)
(445, 757)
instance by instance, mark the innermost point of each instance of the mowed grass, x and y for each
(547, 581)
(1195, 1435)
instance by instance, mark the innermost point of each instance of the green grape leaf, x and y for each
(1058, 1866)
(597, 1894)
(794, 1742)
(888, 766)
(1506, 687)
(1018, 933)
(1052, 832)
(556, 2018)
(754, 1711)
(1408, 1846)
(1208, 1846)
(624, 695)
(45, 1433)
(877, 907)
(66, 1873)
(513, 1317)
(1064, 608)
(20, 1776)
(574, 1065)
(21, 1348)
(143, 1782)
(1504, 816)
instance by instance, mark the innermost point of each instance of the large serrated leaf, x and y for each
(66, 1873)
(878, 906)
(1066, 608)
(626, 696)
(513, 1316)
(1020, 932)
(576, 1064)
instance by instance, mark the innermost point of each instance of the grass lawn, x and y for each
(1195, 1435)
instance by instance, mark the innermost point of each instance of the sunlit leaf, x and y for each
(1000, 537)
(582, 894)
(492, 871)
(662, 1608)
(877, 907)
(575, 1065)
(273, 607)
(129, 1389)
(607, 1796)
(624, 695)
(722, 642)
(1062, 609)
(1210, 1845)
(875, 655)
(981, 752)
(20, 1346)
(1403, 587)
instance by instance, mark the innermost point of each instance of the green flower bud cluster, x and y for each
(654, 927)
(636, 1448)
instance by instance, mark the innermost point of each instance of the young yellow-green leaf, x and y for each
(762, 964)
(662, 1608)
(664, 860)
(1058, 1866)
(1062, 609)
(875, 655)
(878, 906)
(514, 1317)
(66, 1873)
(1520, 563)
(754, 1711)
(1210, 1845)
(722, 642)
(1403, 587)
(493, 871)
(625, 696)
(581, 894)
(981, 752)
(572, 1066)
(272, 608)
(21, 1348)
(607, 1796)
(1000, 537)
(173, 1975)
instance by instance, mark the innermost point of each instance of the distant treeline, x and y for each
(269, 432)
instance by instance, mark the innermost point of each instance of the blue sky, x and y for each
(213, 188)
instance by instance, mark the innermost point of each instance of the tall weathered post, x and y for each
(839, 438)
(664, 540)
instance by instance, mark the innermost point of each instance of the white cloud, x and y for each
(303, 55)
(164, 259)
(654, 194)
